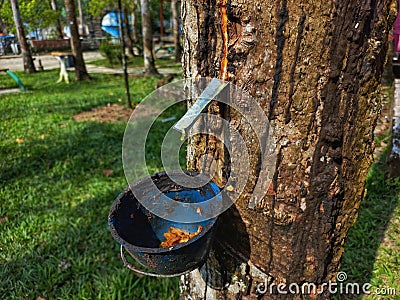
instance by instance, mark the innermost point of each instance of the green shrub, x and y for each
(111, 51)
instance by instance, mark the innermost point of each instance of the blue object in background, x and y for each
(110, 23)
(5, 43)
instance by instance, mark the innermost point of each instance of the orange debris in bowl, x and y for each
(176, 236)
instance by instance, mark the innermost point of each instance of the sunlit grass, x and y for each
(55, 198)
(372, 248)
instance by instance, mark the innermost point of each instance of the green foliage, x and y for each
(111, 51)
(38, 14)
(55, 197)
(6, 16)
(35, 13)
(97, 7)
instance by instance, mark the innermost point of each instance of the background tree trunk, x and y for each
(59, 31)
(149, 64)
(315, 68)
(80, 67)
(127, 29)
(175, 25)
(3, 27)
(29, 66)
(136, 7)
(161, 14)
(81, 18)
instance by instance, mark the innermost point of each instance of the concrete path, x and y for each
(14, 63)
(9, 91)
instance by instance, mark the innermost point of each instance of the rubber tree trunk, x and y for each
(175, 24)
(81, 18)
(127, 28)
(315, 68)
(53, 5)
(29, 66)
(149, 63)
(136, 8)
(3, 27)
(80, 67)
(161, 13)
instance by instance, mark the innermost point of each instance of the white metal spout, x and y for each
(209, 93)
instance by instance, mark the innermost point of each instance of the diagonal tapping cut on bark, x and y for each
(224, 31)
(280, 44)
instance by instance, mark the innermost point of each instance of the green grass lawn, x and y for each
(55, 198)
(54, 240)
(137, 62)
(372, 248)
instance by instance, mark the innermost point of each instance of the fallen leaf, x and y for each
(108, 172)
(40, 298)
(110, 94)
(119, 100)
(19, 140)
(42, 136)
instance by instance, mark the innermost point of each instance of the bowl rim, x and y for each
(157, 250)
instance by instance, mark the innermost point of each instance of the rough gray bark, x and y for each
(59, 31)
(315, 68)
(3, 27)
(135, 37)
(148, 55)
(175, 20)
(394, 156)
(81, 18)
(128, 34)
(80, 66)
(29, 66)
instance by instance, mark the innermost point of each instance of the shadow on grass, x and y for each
(68, 153)
(79, 260)
(54, 237)
(367, 234)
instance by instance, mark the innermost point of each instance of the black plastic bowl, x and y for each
(140, 232)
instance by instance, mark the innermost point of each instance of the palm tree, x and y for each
(29, 66)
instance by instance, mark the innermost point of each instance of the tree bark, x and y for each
(149, 64)
(161, 18)
(29, 66)
(315, 68)
(175, 20)
(59, 31)
(127, 29)
(3, 27)
(80, 67)
(81, 18)
(135, 37)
